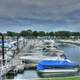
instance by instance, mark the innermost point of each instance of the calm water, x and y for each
(28, 74)
(72, 52)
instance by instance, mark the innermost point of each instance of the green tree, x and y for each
(29, 32)
(23, 33)
(51, 34)
(9, 33)
(41, 33)
(35, 33)
(75, 34)
(63, 34)
(26, 33)
(47, 34)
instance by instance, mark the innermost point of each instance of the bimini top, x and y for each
(55, 64)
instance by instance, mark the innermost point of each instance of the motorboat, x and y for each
(49, 41)
(56, 68)
(37, 56)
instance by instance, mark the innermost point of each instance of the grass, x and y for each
(67, 78)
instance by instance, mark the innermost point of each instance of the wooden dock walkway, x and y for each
(15, 61)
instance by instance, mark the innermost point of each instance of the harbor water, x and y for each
(71, 51)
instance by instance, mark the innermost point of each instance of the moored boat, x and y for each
(56, 68)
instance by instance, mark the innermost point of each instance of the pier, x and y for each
(16, 61)
(16, 64)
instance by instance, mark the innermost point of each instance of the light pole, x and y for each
(3, 53)
(17, 43)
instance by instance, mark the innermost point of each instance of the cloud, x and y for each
(38, 9)
(27, 12)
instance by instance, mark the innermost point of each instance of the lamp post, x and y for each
(17, 43)
(3, 53)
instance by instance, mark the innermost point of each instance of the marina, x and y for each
(33, 55)
(39, 39)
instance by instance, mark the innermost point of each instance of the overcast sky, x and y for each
(40, 14)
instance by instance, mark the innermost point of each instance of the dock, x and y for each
(16, 61)
(18, 66)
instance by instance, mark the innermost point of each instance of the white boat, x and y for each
(38, 56)
(56, 68)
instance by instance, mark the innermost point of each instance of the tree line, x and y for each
(57, 34)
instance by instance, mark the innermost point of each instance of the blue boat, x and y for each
(56, 68)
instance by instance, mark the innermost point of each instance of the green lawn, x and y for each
(69, 78)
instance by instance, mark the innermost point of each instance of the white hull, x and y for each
(57, 72)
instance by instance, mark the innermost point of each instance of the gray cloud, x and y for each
(55, 10)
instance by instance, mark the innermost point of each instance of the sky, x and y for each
(46, 15)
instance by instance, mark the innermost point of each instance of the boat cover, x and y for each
(55, 64)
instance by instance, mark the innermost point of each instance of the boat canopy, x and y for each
(8, 45)
(47, 64)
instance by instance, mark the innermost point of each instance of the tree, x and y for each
(26, 33)
(29, 32)
(51, 34)
(47, 34)
(41, 33)
(23, 33)
(35, 33)
(9, 33)
(75, 34)
(63, 34)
